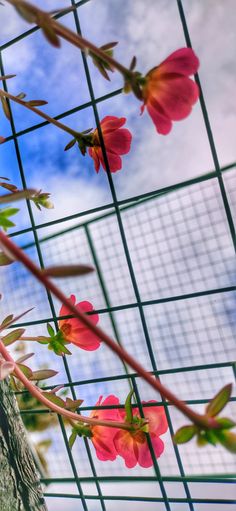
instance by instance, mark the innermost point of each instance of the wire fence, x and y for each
(165, 288)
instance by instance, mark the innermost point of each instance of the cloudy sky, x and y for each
(196, 260)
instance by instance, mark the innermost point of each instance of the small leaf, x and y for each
(128, 407)
(22, 95)
(68, 271)
(219, 401)
(6, 321)
(70, 144)
(133, 63)
(73, 404)
(9, 320)
(6, 77)
(42, 339)
(5, 108)
(36, 102)
(25, 370)
(8, 186)
(24, 358)
(50, 330)
(43, 374)
(201, 440)
(72, 438)
(5, 260)
(184, 434)
(210, 436)
(108, 46)
(6, 212)
(54, 399)
(50, 34)
(226, 423)
(13, 336)
(228, 440)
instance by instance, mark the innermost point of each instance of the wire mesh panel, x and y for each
(161, 240)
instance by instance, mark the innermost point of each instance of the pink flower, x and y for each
(6, 368)
(73, 329)
(117, 142)
(168, 92)
(103, 437)
(133, 446)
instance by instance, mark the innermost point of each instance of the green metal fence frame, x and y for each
(115, 208)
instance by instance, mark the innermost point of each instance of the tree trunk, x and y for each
(19, 483)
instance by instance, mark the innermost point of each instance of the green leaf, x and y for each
(5, 108)
(25, 370)
(227, 439)
(58, 347)
(201, 439)
(70, 144)
(36, 102)
(5, 260)
(11, 319)
(73, 404)
(22, 95)
(72, 438)
(43, 374)
(54, 399)
(128, 407)
(72, 270)
(6, 212)
(24, 358)
(50, 330)
(219, 401)
(42, 339)
(210, 436)
(13, 336)
(185, 434)
(226, 423)
(6, 321)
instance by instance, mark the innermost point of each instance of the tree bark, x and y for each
(19, 483)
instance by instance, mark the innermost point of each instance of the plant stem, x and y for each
(36, 392)
(19, 255)
(39, 112)
(75, 39)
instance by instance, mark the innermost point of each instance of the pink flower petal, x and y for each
(145, 458)
(156, 417)
(88, 307)
(118, 141)
(126, 447)
(183, 61)
(86, 340)
(6, 368)
(103, 436)
(176, 97)
(64, 311)
(114, 160)
(111, 123)
(93, 153)
(161, 120)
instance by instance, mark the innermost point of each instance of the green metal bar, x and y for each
(125, 202)
(209, 133)
(217, 478)
(104, 291)
(144, 499)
